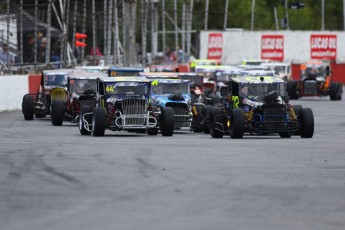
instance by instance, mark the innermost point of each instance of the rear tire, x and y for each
(57, 112)
(166, 121)
(237, 122)
(335, 91)
(216, 117)
(291, 88)
(98, 122)
(307, 123)
(84, 109)
(28, 107)
(206, 113)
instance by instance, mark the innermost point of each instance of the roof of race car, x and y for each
(125, 79)
(86, 75)
(159, 74)
(273, 64)
(168, 81)
(56, 71)
(257, 80)
(161, 68)
(257, 73)
(93, 68)
(189, 74)
(126, 69)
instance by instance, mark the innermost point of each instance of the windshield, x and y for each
(280, 70)
(316, 71)
(195, 80)
(170, 88)
(127, 88)
(56, 80)
(258, 91)
(81, 85)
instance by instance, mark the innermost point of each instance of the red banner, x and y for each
(323, 46)
(215, 46)
(272, 47)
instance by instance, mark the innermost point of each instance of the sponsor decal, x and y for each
(215, 46)
(323, 46)
(272, 47)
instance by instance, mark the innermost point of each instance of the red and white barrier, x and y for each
(12, 90)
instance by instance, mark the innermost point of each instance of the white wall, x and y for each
(12, 90)
(238, 45)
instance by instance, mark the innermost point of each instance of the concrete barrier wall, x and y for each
(239, 45)
(12, 90)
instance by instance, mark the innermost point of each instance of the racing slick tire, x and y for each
(291, 88)
(28, 107)
(335, 91)
(84, 109)
(57, 112)
(237, 122)
(98, 122)
(206, 113)
(307, 123)
(216, 117)
(167, 121)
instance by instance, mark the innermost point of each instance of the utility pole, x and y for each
(109, 25)
(344, 12)
(143, 32)
(206, 14)
(286, 15)
(175, 19)
(35, 35)
(116, 35)
(322, 15)
(93, 33)
(49, 18)
(154, 37)
(276, 17)
(226, 14)
(8, 30)
(183, 37)
(253, 14)
(189, 26)
(74, 29)
(163, 25)
(83, 30)
(105, 10)
(21, 32)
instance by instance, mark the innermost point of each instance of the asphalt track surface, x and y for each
(54, 178)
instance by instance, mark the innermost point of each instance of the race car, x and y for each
(256, 107)
(175, 94)
(81, 91)
(53, 86)
(123, 103)
(316, 80)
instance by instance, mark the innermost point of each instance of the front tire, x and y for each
(216, 120)
(167, 121)
(57, 112)
(237, 122)
(291, 88)
(206, 113)
(28, 107)
(98, 122)
(307, 123)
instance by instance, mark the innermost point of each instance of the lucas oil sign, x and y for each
(215, 46)
(323, 46)
(272, 47)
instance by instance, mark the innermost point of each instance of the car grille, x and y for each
(274, 119)
(310, 87)
(134, 111)
(180, 111)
